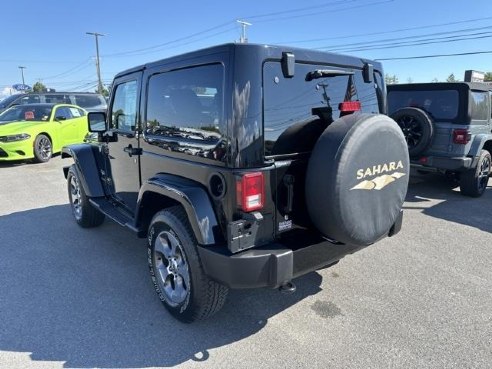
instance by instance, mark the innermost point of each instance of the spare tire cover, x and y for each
(357, 178)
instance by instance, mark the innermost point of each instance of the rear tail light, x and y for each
(461, 136)
(349, 106)
(423, 160)
(251, 191)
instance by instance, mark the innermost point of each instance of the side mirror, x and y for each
(60, 118)
(97, 122)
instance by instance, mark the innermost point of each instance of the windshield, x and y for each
(26, 112)
(440, 104)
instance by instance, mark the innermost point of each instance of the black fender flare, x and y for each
(84, 157)
(478, 143)
(189, 194)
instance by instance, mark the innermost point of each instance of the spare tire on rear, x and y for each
(357, 178)
(417, 128)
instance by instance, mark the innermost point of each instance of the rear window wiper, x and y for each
(320, 73)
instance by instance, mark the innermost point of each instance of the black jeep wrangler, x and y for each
(244, 166)
(448, 128)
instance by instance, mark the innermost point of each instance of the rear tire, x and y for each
(474, 181)
(176, 270)
(84, 213)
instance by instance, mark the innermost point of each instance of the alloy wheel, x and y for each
(75, 197)
(44, 148)
(412, 130)
(172, 270)
(484, 173)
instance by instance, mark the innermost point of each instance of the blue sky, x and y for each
(49, 38)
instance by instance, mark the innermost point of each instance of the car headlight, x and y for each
(18, 137)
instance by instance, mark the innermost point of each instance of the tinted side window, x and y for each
(185, 111)
(88, 101)
(30, 99)
(57, 99)
(63, 112)
(124, 116)
(480, 106)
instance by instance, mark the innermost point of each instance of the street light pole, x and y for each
(244, 38)
(98, 69)
(22, 73)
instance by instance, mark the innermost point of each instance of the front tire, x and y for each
(474, 181)
(176, 269)
(43, 149)
(84, 213)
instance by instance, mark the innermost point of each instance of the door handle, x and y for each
(132, 150)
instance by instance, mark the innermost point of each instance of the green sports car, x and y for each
(37, 131)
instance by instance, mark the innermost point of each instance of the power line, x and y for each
(420, 43)
(77, 68)
(389, 32)
(272, 16)
(297, 10)
(436, 55)
(317, 12)
(170, 42)
(412, 37)
(133, 53)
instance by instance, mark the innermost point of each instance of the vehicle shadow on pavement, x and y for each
(439, 197)
(13, 163)
(84, 297)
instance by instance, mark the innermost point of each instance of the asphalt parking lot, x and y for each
(71, 297)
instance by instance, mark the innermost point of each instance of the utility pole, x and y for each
(22, 73)
(98, 69)
(243, 39)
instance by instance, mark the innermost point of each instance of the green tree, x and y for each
(488, 77)
(38, 87)
(451, 78)
(105, 92)
(391, 80)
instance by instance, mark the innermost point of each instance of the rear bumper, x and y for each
(436, 162)
(274, 264)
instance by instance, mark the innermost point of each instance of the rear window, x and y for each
(439, 104)
(294, 104)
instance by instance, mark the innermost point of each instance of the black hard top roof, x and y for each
(440, 86)
(268, 52)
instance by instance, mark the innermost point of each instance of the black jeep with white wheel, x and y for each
(448, 128)
(244, 166)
